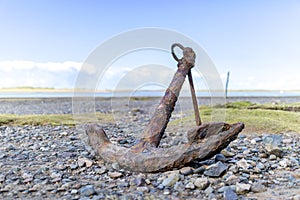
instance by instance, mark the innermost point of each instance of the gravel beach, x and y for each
(53, 162)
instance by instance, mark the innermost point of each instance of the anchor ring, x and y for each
(172, 49)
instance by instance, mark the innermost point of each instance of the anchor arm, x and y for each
(158, 123)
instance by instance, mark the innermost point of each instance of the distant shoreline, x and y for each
(69, 90)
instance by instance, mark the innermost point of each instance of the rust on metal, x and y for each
(204, 140)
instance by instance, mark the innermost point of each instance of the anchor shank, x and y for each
(158, 123)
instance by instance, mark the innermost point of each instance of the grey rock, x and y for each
(243, 164)
(272, 145)
(2, 177)
(209, 190)
(101, 170)
(143, 189)
(220, 157)
(272, 157)
(229, 194)
(258, 187)
(227, 153)
(84, 162)
(87, 190)
(242, 188)
(215, 170)
(139, 181)
(115, 174)
(199, 170)
(171, 179)
(260, 166)
(179, 186)
(186, 170)
(190, 185)
(115, 166)
(273, 140)
(73, 166)
(201, 183)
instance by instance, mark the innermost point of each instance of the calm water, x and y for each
(144, 94)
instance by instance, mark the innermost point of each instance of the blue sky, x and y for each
(43, 43)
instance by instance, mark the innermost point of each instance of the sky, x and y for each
(45, 43)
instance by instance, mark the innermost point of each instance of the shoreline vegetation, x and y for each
(260, 118)
(62, 90)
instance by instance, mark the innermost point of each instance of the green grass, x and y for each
(50, 119)
(261, 118)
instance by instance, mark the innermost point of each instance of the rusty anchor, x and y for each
(204, 140)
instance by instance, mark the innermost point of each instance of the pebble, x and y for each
(140, 181)
(215, 170)
(186, 170)
(171, 179)
(258, 187)
(84, 162)
(242, 188)
(220, 157)
(143, 189)
(227, 153)
(115, 175)
(201, 183)
(229, 194)
(87, 190)
(190, 185)
(272, 157)
(242, 164)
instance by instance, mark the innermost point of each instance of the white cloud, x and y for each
(38, 74)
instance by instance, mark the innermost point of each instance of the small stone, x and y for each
(253, 141)
(60, 167)
(87, 190)
(74, 191)
(229, 194)
(73, 166)
(287, 141)
(263, 155)
(242, 164)
(171, 179)
(273, 140)
(186, 170)
(102, 170)
(283, 163)
(115, 174)
(215, 170)
(139, 181)
(260, 166)
(64, 133)
(201, 183)
(277, 151)
(190, 185)
(220, 157)
(115, 166)
(296, 174)
(227, 153)
(199, 170)
(258, 187)
(143, 189)
(84, 162)
(272, 143)
(209, 190)
(179, 186)
(2, 177)
(272, 157)
(242, 188)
